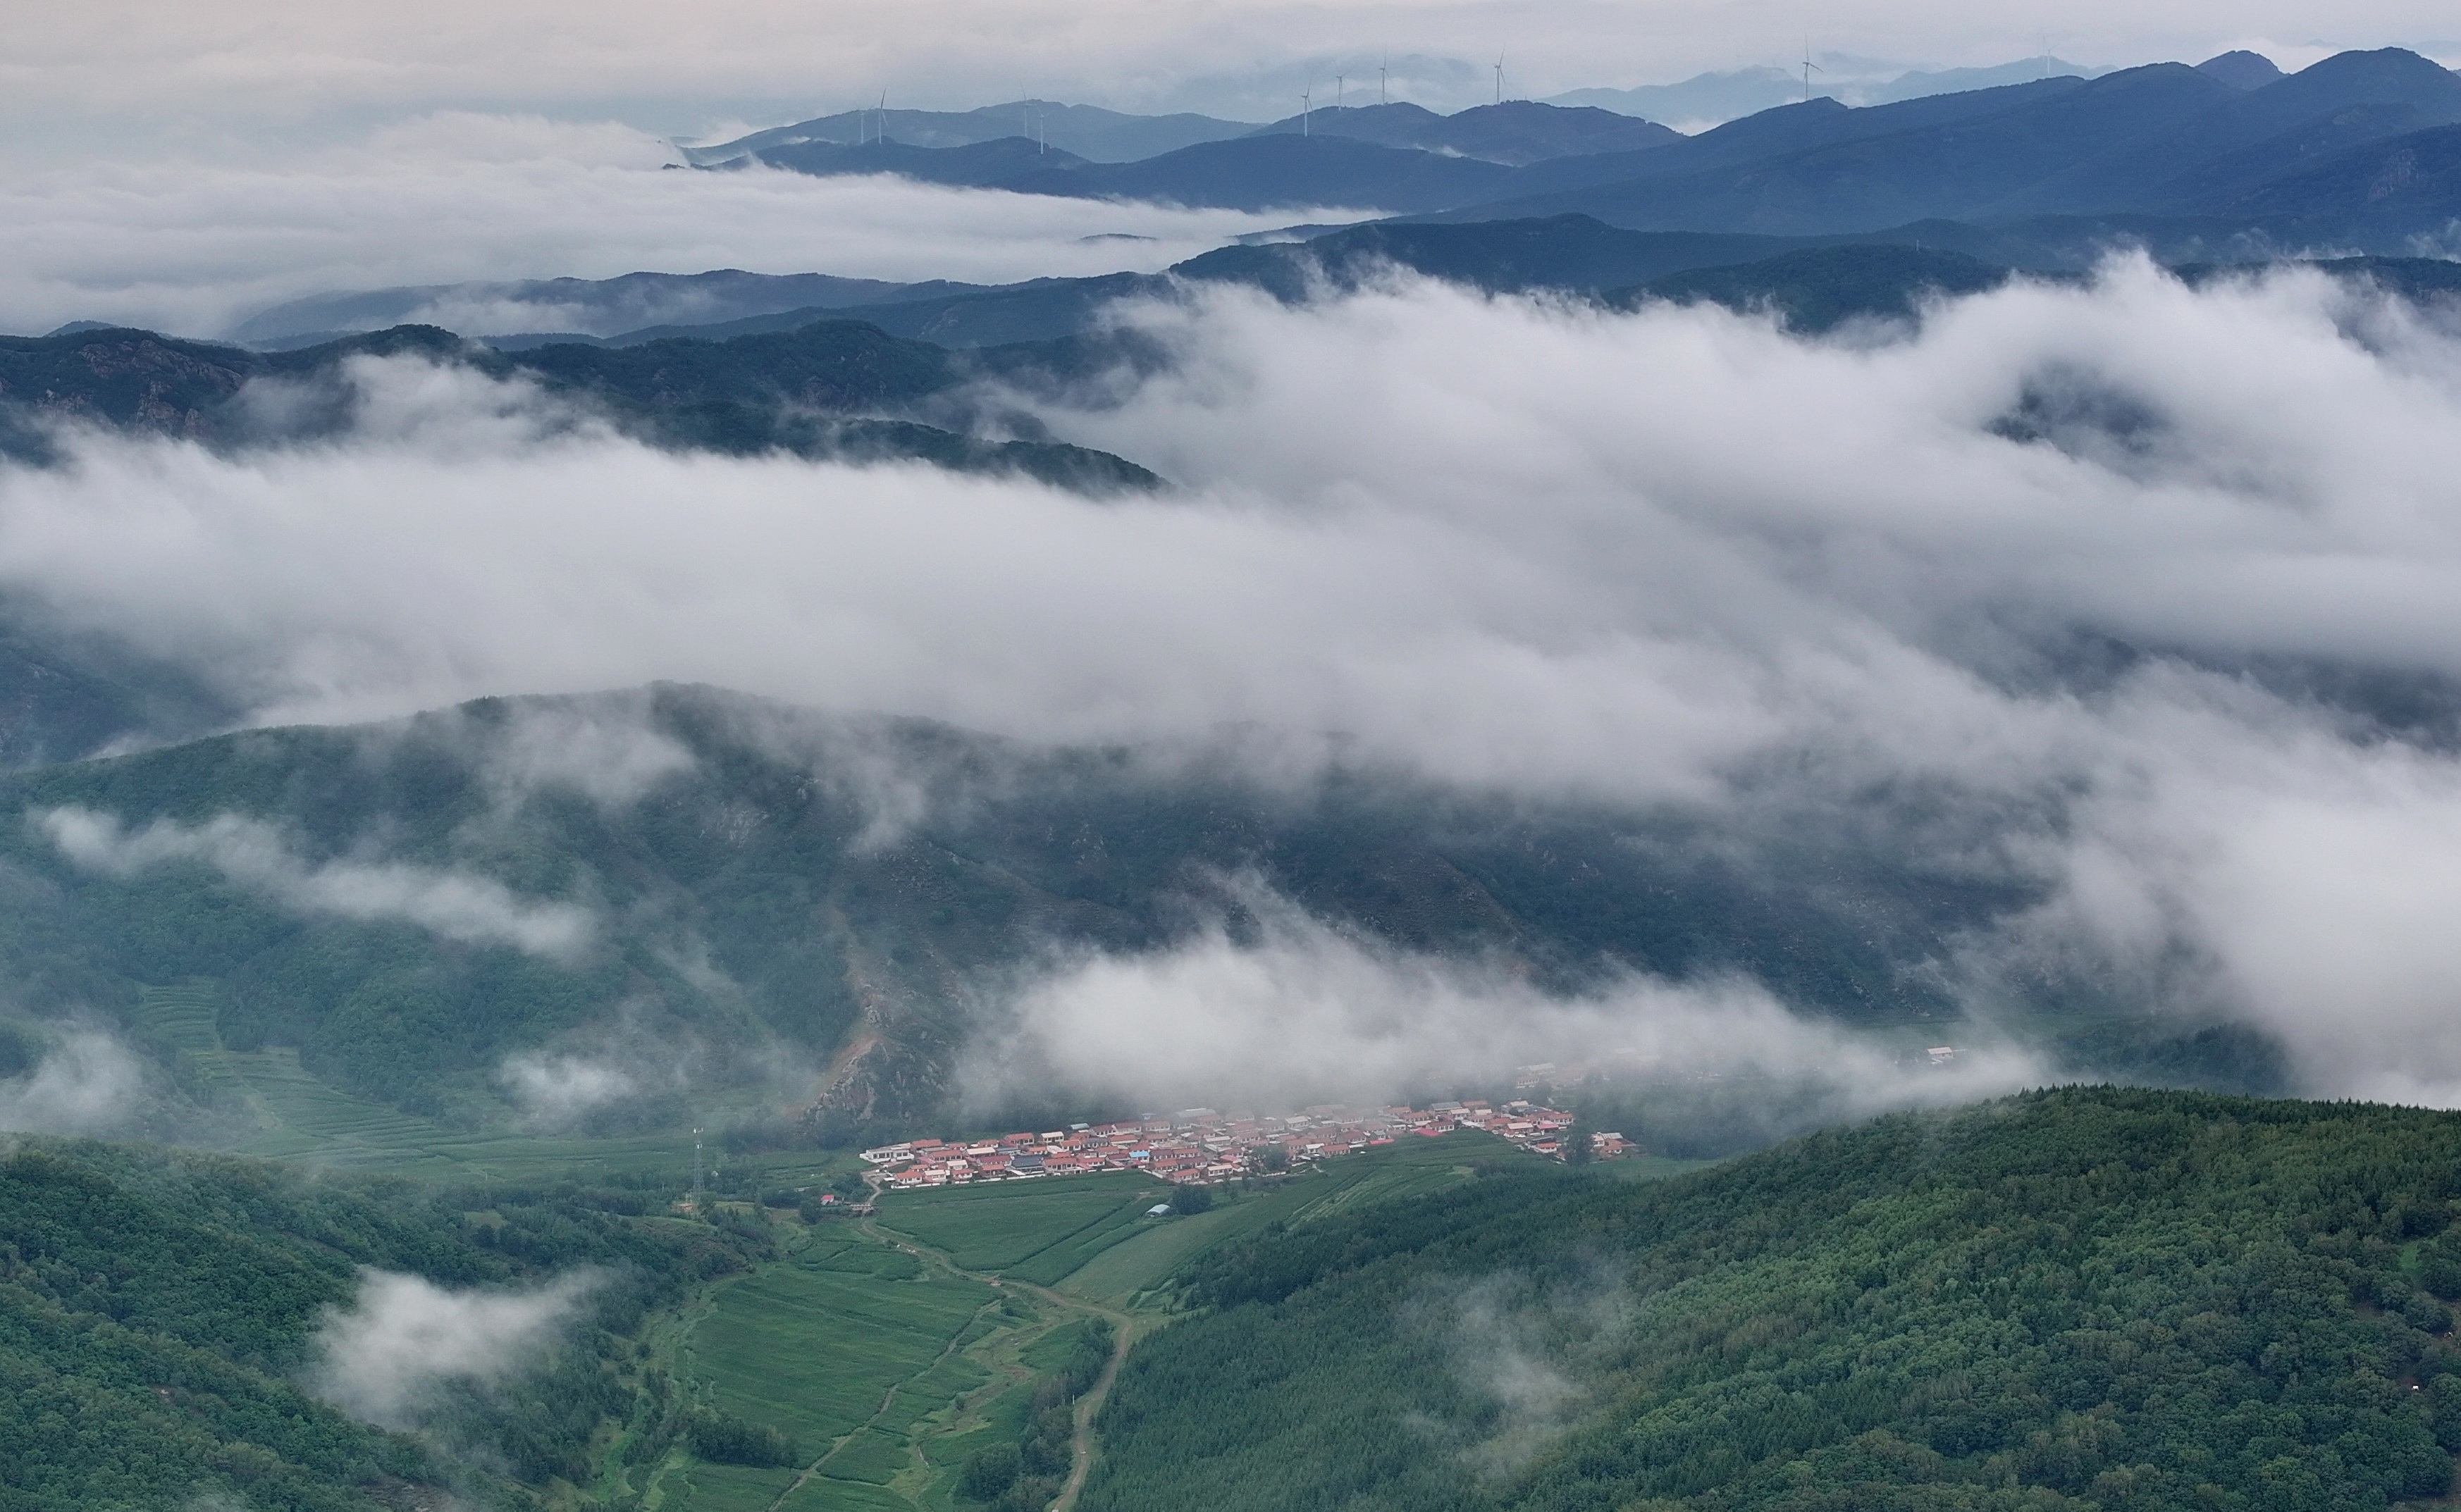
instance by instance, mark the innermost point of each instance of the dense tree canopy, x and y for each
(2076, 1298)
(157, 1309)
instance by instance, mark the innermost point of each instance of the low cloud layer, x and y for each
(384, 1359)
(2142, 599)
(1308, 1013)
(251, 854)
(1520, 1354)
(625, 1063)
(84, 1081)
(193, 249)
(556, 1090)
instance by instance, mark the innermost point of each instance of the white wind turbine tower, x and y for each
(1809, 68)
(1307, 98)
(1380, 72)
(1337, 90)
(1499, 79)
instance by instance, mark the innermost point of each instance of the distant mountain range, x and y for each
(1576, 254)
(2232, 138)
(601, 305)
(1087, 131)
(1515, 131)
(2227, 161)
(829, 388)
(896, 385)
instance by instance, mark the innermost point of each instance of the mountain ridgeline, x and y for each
(2350, 149)
(2229, 162)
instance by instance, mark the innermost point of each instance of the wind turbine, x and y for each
(1306, 98)
(1337, 90)
(1499, 79)
(1808, 68)
(1380, 78)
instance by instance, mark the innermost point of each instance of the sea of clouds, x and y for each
(194, 247)
(2071, 584)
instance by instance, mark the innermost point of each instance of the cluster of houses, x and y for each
(1201, 1145)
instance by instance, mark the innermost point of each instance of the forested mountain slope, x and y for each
(158, 1313)
(717, 882)
(2070, 1299)
(829, 388)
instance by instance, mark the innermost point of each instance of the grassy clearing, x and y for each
(1143, 1259)
(1006, 1227)
(825, 1494)
(727, 1488)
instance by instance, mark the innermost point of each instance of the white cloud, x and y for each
(383, 1358)
(606, 748)
(85, 1082)
(1677, 557)
(192, 248)
(1307, 1014)
(555, 1089)
(252, 853)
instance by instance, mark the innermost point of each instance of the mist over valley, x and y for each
(1734, 792)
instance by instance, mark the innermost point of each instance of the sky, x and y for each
(151, 78)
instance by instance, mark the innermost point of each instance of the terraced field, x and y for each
(887, 1366)
(1144, 1258)
(892, 1348)
(1037, 1230)
(297, 1116)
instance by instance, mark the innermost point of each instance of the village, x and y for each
(1200, 1146)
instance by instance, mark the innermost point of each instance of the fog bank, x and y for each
(383, 1358)
(2139, 597)
(192, 248)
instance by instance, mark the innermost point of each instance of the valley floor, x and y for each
(891, 1347)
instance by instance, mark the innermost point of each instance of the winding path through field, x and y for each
(1081, 1443)
(888, 1399)
(1125, 1329)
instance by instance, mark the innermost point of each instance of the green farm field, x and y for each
(1144, 1258)
(887, 1349)
(1037, 1232)
(882, 1359)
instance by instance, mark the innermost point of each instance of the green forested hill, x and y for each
(157, 1308)
(263, 893)
(2070, 1299)
(832, 388)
